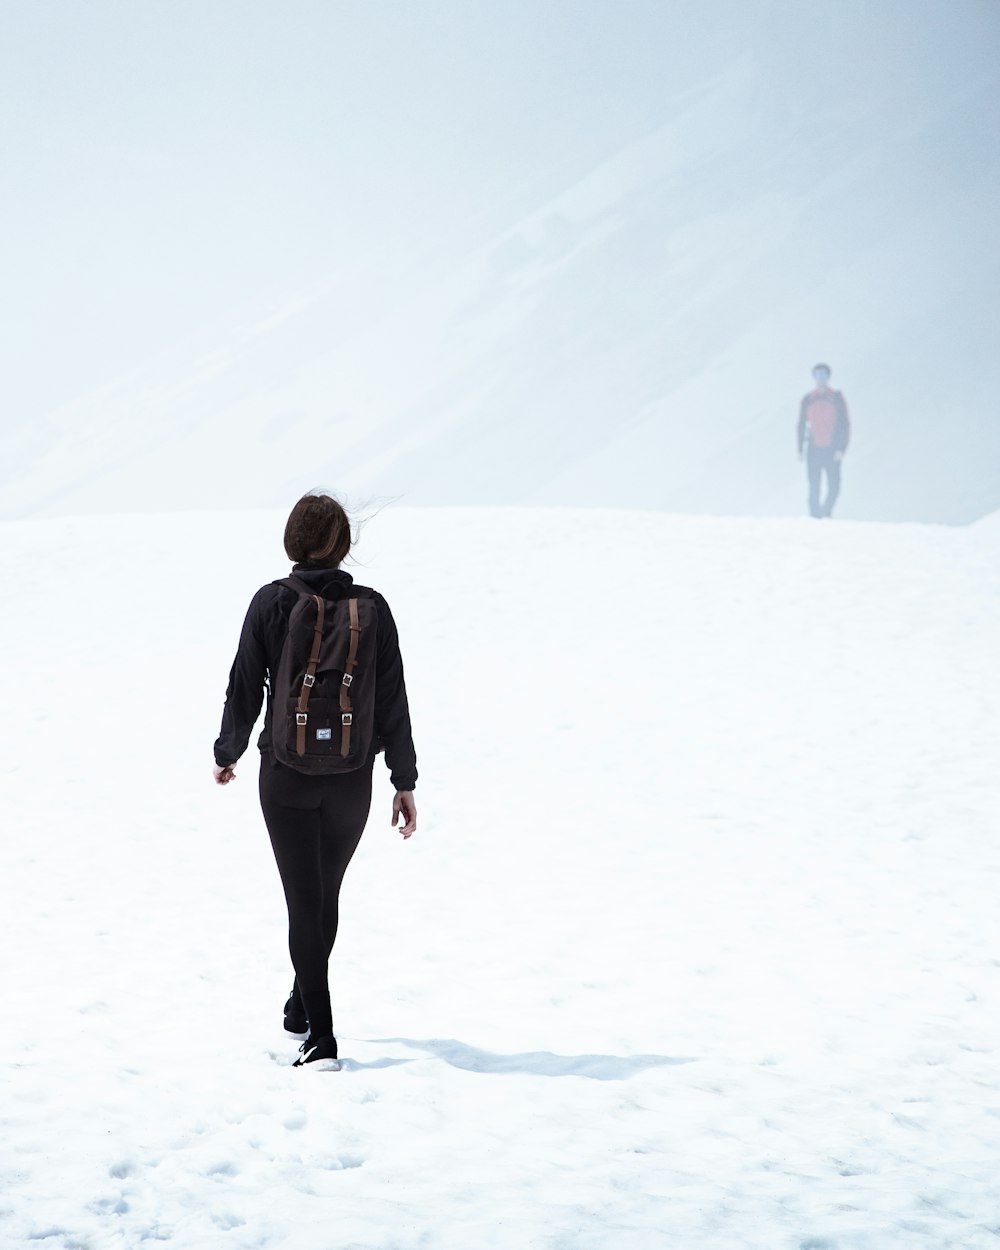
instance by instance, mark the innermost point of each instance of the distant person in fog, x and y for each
(823, 434)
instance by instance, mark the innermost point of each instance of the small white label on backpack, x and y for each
(324, 735)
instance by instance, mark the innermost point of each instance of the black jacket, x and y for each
(257, 658)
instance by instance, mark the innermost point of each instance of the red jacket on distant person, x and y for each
(823, 420)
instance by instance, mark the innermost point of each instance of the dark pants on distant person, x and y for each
(822, 460)
(315, 825)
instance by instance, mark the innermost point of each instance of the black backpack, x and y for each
(323, 694)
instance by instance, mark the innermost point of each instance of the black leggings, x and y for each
(315, 825)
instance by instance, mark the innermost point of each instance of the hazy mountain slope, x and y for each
(642, 339)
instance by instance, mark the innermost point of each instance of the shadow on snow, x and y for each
(534, 1062)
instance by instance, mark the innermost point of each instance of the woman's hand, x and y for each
(223, 774)
(404, 805)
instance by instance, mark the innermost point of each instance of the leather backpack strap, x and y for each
(309, 680)
(346, 714)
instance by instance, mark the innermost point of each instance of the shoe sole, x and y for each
(321, 1065)
(299, 1037)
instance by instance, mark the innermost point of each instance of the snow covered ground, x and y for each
(696, 946)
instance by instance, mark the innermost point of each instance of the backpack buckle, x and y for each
(348, 679)
(301, 718)
(347, 719)
(309, 680)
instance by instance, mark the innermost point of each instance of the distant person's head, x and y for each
(318, 532)
(822, 374)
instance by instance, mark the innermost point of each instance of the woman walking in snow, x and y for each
(328, 653)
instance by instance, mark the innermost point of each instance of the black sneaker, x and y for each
(296, 1021)
(320, 1055)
